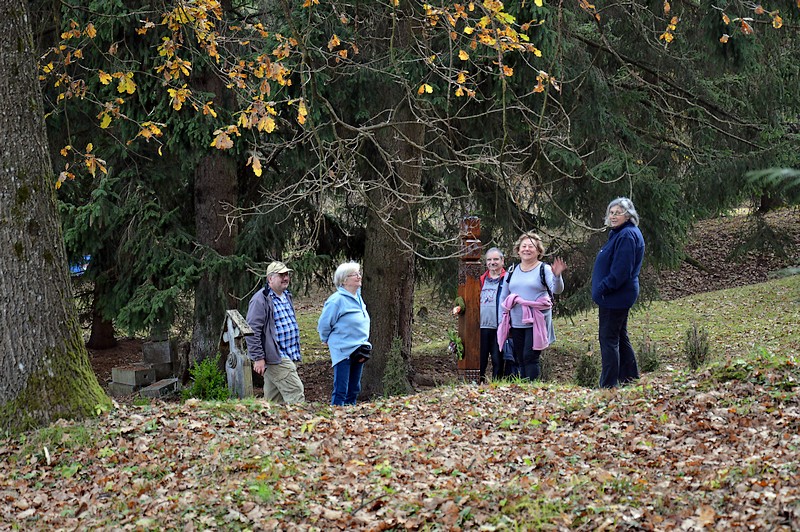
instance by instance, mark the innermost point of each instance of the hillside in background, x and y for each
(714, 264)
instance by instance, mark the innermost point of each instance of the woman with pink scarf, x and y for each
(526, 304)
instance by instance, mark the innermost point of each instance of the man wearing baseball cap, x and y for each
(274, 346)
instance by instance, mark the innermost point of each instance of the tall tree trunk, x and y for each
(44, 367)
(215, 186)
(102, 332)
(388, 262)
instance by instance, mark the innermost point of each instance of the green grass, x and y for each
(737, 320)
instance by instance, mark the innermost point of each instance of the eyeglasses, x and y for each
(617, 213)
(356, 274)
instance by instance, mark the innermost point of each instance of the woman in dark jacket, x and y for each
(615, 288)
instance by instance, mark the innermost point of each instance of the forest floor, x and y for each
(717, 448)
(711, 267)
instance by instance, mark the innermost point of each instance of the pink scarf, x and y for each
(541, 339)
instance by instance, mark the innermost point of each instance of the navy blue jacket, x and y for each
(615, 278)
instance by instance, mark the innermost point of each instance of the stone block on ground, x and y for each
(116, 389)
(134, 374)
(161, 352)
(163, 371)
(160, 388)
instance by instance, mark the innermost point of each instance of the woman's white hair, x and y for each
(626, 205)
(345, 269)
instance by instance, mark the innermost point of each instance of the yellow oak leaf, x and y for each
(333, 42)
(726, 19)
(222, 141)
(126, 83)
(777, 22)
(425, 88)
(105, 121)
(266, 124)
(208, 110)
(539, 3)
(463, 55)
(105, 78)
(91, 31)
(257, 166)
(724, 38)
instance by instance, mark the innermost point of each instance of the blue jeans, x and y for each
(619, 360)
(525, 356)
(489, 348)
(346, 382)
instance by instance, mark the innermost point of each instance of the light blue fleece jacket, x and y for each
(343, 324)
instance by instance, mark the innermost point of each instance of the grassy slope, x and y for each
(736, 320)
(718, 449)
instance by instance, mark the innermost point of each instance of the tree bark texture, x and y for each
(389, 262)
(44, 367)
(102, 332)
(389, 265)
(215, 190)
(215, 186)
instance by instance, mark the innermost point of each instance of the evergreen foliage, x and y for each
(208, 381)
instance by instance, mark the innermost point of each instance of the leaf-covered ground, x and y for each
(720, 449)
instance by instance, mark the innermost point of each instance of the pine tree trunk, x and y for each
(215, 187)
(44, 367)
(388, 263)
(102, 333)
(215, 190)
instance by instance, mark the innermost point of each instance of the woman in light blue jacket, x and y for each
(344, 327)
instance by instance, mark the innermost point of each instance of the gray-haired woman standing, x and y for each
(615, 288)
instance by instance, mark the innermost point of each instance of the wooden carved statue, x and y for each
(469, 290)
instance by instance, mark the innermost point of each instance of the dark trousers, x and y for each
(489, 348)
(346, 382)
(525, 356)
(619, 360)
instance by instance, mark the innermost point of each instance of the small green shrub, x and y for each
(395, 378)
(695, 347)
(587, 371)
(208, 381)
(648, 356)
